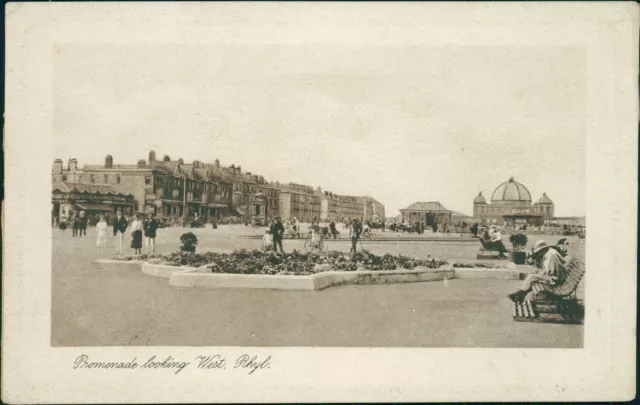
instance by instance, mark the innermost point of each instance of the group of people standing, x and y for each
(274, 234)
(78, 224)
(138, 229)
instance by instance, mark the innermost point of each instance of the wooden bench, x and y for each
(566, 289)
(494, 253)
(566, 312)
(554, 304)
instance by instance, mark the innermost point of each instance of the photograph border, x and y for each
(603, 370)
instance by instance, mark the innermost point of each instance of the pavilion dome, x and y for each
(479, 199)
(511, 192)
(545, 199)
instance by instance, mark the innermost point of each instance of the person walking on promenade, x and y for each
(75, 221)
(277, 232)
(63, 224)
(150, 232)
(145, 226)
(83, 224)
(332, 228)
(119, 228)
(474, 230)
(296, 227)
(136, 235)
(101, 230)
(356, 231)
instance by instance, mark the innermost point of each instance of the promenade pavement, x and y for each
(91, 307)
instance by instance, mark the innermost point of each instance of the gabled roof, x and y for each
(172, 167)
(433, 206)
(186, 167)
(59, 186)
(203, 173)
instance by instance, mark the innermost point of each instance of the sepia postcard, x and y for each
(320, 202)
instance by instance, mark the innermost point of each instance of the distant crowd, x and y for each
(141, 229)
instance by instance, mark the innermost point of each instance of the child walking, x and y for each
(267, 241)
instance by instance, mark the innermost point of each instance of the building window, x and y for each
(147, 180)
(93, 178)
(106, 178)
(64, 177)
(117, 178)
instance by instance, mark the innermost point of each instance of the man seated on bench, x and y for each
(552, 270)
(493, 241)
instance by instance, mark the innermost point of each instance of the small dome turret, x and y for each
(479, 199)
(545, 199)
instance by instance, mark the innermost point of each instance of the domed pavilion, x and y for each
(511, 203)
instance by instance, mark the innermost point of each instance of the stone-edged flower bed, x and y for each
(160, 270)
(479, 270)
(179, 259)
(303, 264)
(312, 282)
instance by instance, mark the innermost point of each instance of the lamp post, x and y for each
(184, 197)
(75, 191)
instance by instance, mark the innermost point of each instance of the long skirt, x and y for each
(136, 243)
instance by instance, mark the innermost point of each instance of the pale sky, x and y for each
(399, 123)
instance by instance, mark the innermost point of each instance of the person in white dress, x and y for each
(101, 229)
(267, 241)
(136, 235)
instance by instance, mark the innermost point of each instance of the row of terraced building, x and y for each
(176, 189)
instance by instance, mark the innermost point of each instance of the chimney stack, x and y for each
(217, 164)
(152, 158)
(73, 165)
(142, 164)
(57, 166)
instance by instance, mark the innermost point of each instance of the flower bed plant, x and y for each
(257, 262)
(188, 242)
(295, 263)
(475, 265)
(186, 259)
(143, 257)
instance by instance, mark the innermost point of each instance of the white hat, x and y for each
(539, 246)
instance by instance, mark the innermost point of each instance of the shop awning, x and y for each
(95, 207)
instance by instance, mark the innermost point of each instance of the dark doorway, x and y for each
(430, 219)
